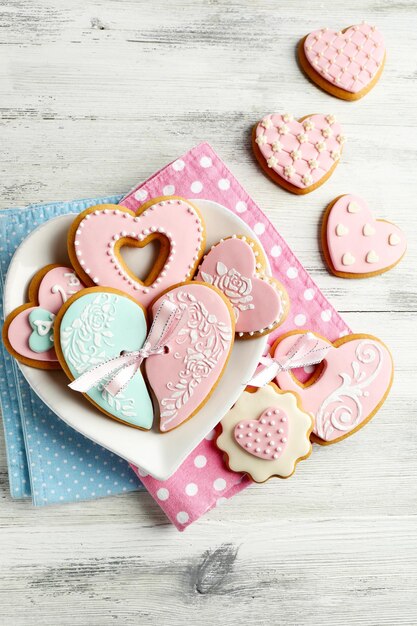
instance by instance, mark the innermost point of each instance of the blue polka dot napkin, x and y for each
(48, 460)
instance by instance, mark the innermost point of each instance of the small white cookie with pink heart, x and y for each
(355, 244)
(237, 266)
(266, 433)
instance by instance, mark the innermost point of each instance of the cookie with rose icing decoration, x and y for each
(97, 235)
(186, 374)
(265, 434)
(299, 155)
(236, 266)
(346, 63)
(346, 389)
(28, 329)
(104, 346)
(355, 244)
(94, 328)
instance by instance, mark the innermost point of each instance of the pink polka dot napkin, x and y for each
(203, 480)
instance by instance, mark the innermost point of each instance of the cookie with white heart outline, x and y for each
(355, 244)
(237, 266)
(346, 64)
(97, 235)
(266, 434)
(299, 155)
(28, 330)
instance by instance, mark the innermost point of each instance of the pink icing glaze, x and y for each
(347, 60)
(300, 152)
(99, 231)
(356, 377)
(198, 351)
(231, 266)
(266, 437)
(59, 284)
(357, 243)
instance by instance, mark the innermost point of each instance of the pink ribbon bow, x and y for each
(306, 350)
(125, 366)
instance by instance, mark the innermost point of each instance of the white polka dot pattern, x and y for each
(204, 471)
(64, 466)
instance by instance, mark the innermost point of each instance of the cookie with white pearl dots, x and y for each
(237, 266)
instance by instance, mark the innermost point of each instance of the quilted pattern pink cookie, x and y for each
(236, 266)
(28, 332)
(299, 155)
(346, 64)
(347, 388)
(355, 244)
(97, 235)
(184, 376)
(266, 434)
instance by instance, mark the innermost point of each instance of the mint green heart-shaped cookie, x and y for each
(96, 327)
(42, 324)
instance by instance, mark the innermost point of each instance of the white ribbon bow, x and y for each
(304, 351)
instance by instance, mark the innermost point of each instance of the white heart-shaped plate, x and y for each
(156, 454)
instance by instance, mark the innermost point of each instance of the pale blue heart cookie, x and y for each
(96, 327)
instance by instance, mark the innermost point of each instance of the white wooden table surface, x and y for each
(94, 96)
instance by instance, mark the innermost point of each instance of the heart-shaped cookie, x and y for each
(28, 330)
(98, 234)
(356, 245)
(265, 437)
(348, 387)
(184, 376)
(266, 434)
(94, 326)
(347, 63)
(299, 155)
(236, 266)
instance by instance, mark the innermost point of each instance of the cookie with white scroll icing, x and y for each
(346, 389)
(28, 331)
(236, 266)
(346, 63)
(266, 433)
(299, 155)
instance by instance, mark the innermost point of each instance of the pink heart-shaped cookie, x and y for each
(31, 325)
(98, 234)
(184, 376)
(235, 266)
(298, 155)
(348, 387)
(347, 63)
(265, 437)
(355, 244)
